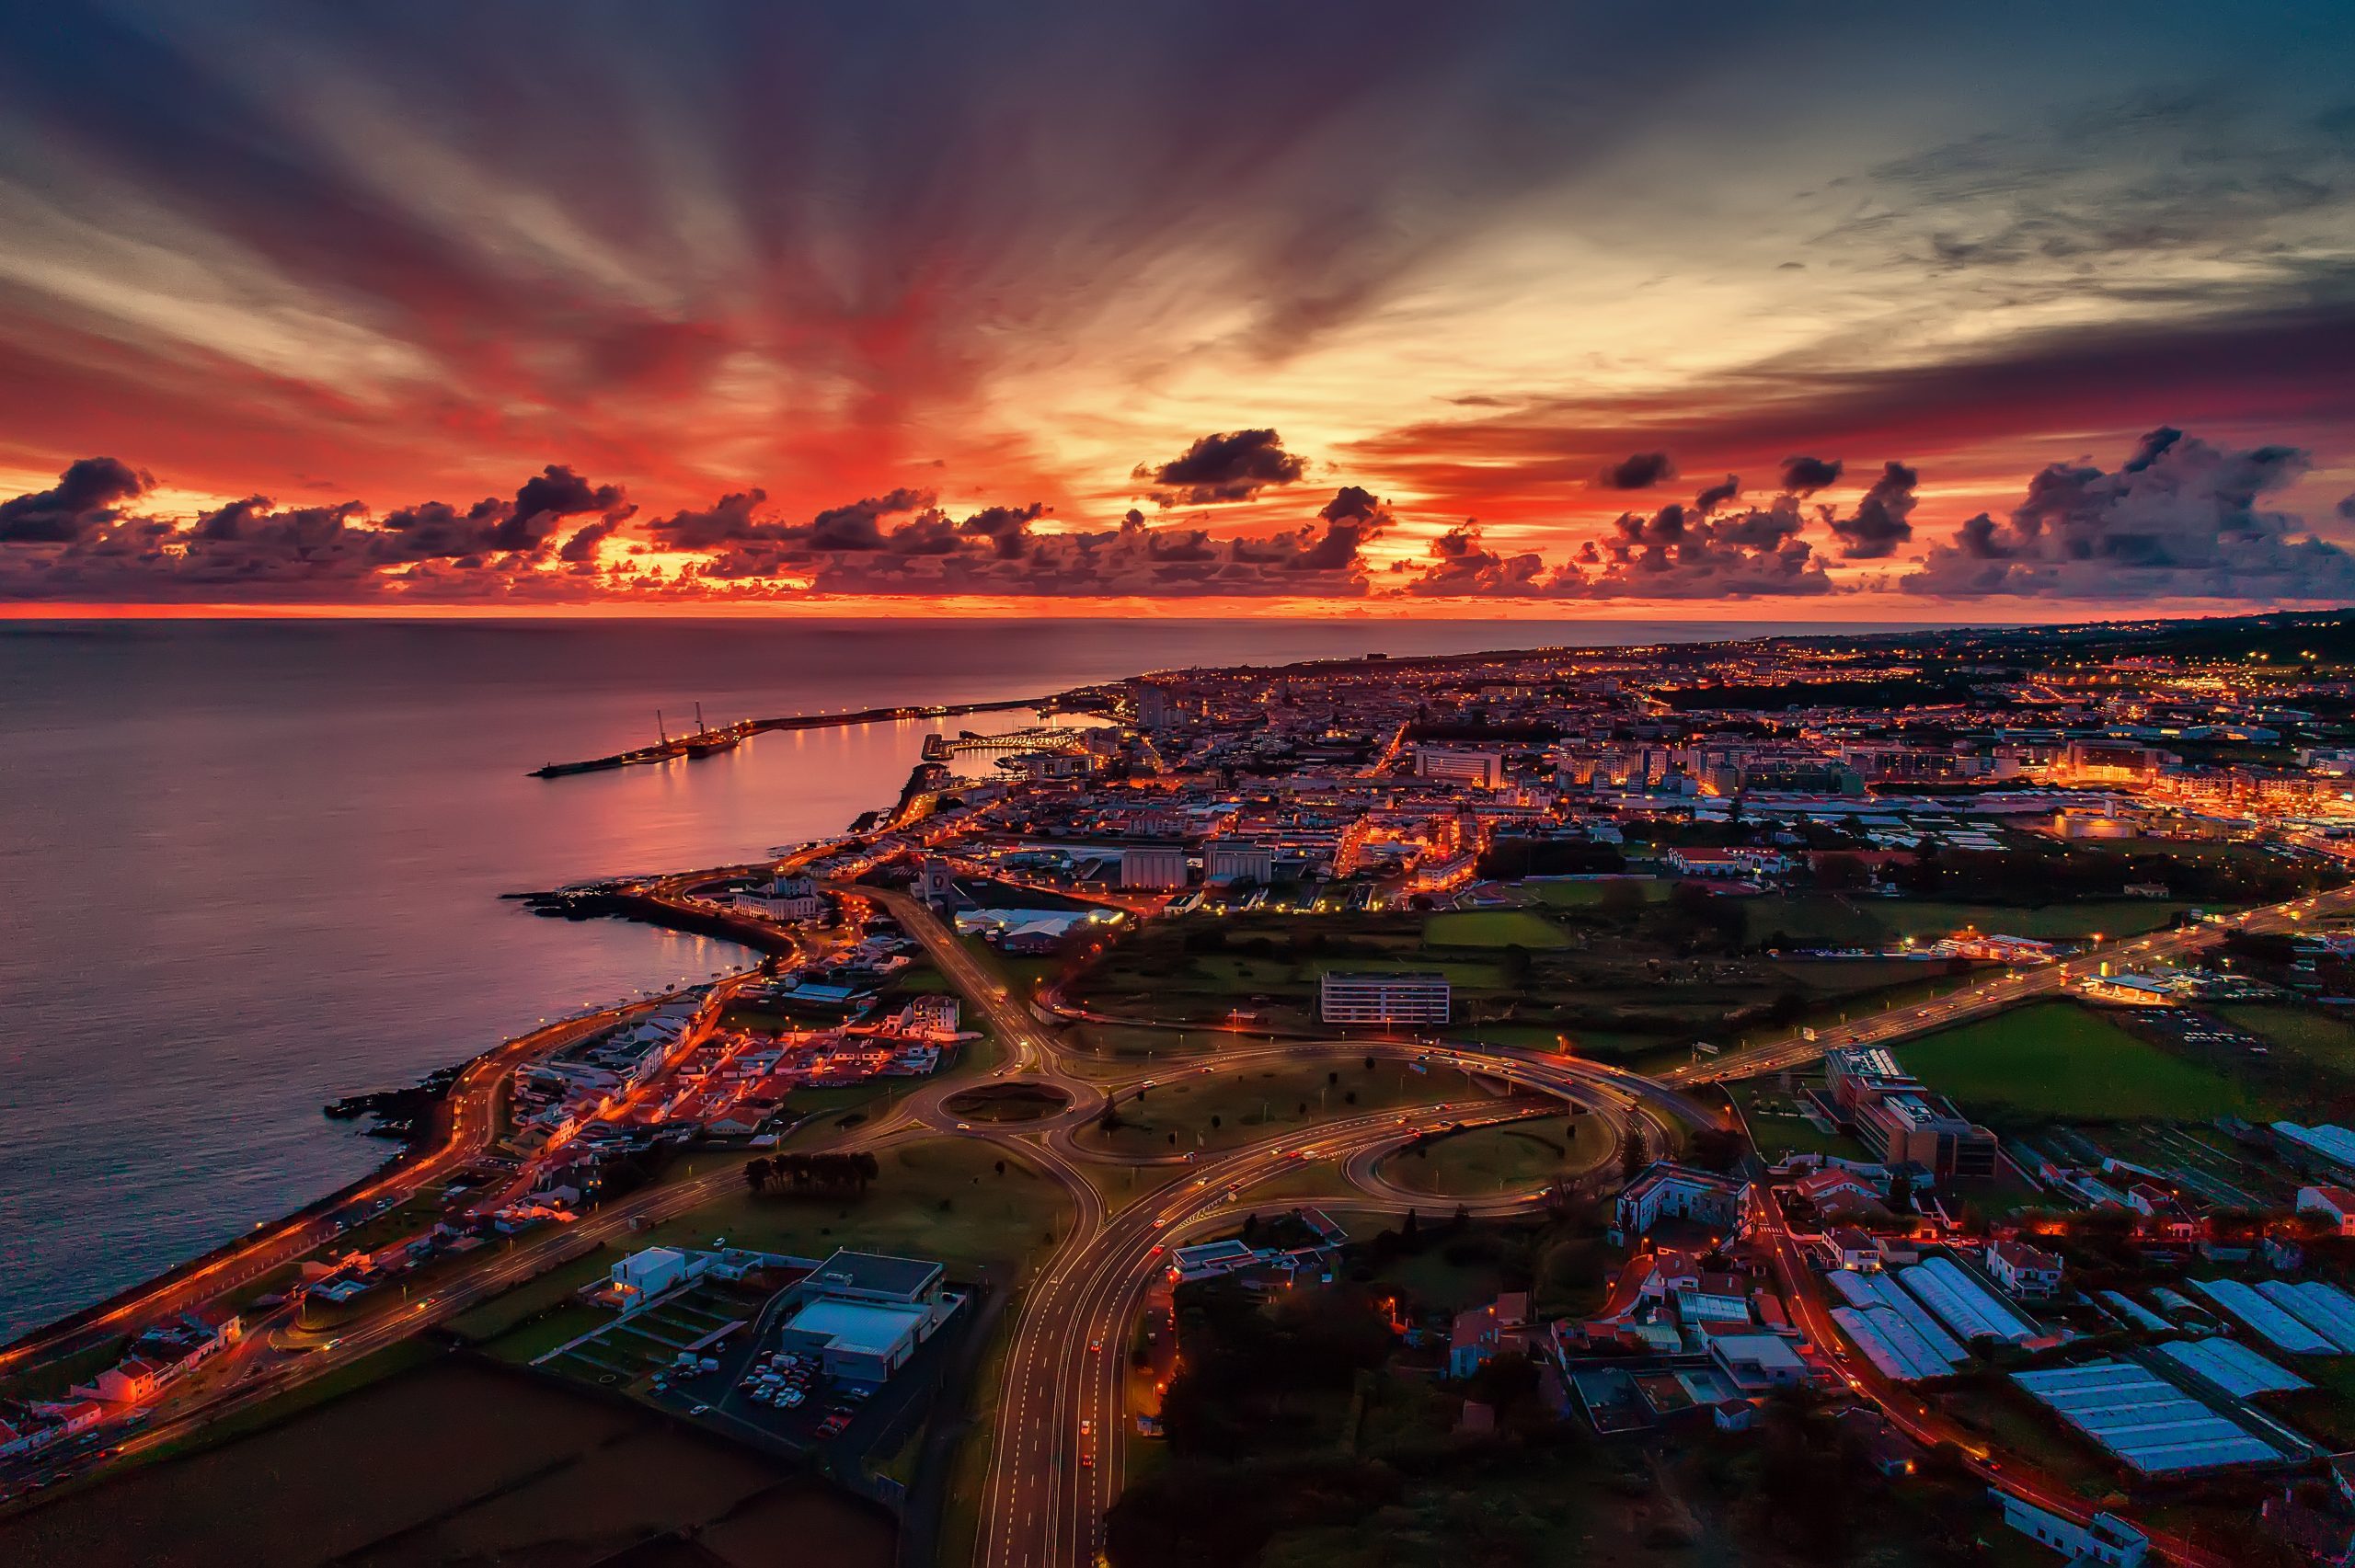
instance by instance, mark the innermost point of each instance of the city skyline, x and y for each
(1544, 313)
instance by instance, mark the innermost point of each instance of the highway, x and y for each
(1065, 1363)
(1996, 992)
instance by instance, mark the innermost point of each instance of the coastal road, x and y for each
(465, 1125)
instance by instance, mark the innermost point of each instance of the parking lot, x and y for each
(759, 1391)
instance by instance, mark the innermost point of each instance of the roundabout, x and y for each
(1028, 1100)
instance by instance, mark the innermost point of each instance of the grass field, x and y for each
(1587, 895)
(2316, 1037)
(2058, 1059)
(1779, 1129)
(1509, 1157)
(462, 1462)
(1494, 928)
(1250, 1105)
(1825, 920)
(940, 1198)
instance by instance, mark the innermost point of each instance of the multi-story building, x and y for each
(1382, 999)
(1900, 1120)
(1669, 1190)
(1484, 770)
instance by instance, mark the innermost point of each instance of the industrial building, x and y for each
(1226, 863)
(1153, 868)
(863, 1314)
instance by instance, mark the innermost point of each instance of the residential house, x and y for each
(2025, 1272)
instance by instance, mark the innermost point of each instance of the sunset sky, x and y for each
(1795, 310)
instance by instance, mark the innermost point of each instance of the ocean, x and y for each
(250, 866)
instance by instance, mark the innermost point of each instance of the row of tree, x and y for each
(818, 1174)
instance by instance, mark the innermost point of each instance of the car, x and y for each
(964, 1127)
(1094, 1346)
(699, 1410)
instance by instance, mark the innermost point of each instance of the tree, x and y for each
(1621, 897)
(756, 1174)
(1634, 1154)
(1001, 1167)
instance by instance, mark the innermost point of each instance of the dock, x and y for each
(706, 742)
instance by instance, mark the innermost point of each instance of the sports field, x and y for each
(1494, 928)
(2060, 1060)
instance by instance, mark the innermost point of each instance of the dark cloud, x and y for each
(1681, 552)
(2347, 508)
(1463, 567)
(2179, 518)
(1641, 472)
(860, 524)
(1878, 524)
(1806, 476)
(1229, 466)
(1718, 495)
(731, 519)
(1007, 528)
(88, 496)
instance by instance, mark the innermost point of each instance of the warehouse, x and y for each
(2147, 1421)
(1964, 1305)
(2276, 1327)
(2230, 1368)
(1891, 1343)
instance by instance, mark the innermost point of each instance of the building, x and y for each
(1484, 770)
(877, 1276)
(1672, 1191)
(2106, 1538)
(861, 1341)
(2029, 1273)
(1478, 1333)
(1226, 862)
(1154, 868)
(2336, 1203)
(933, 1014)
(794, 899)
(1928, 1130)
(1900, 1120)
(1756, 1362)
(643, 1276)
(863, 1314)
(1382, 1000)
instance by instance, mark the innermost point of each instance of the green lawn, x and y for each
(2316, 1037)
(1513, 1156)
(1494, 928)
(2049, 922)
(1779, 1129)
(1587, 895)
(1869, 920)
(940, 1198)
(1250, 1105)
(2058, 1059)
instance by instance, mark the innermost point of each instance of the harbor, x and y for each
(707, 741)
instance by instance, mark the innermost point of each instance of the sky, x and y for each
(1740, 309)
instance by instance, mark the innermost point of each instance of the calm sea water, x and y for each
(246, 867)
